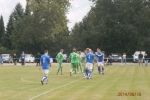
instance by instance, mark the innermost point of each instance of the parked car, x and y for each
(29, 58)
(116, 57)
(6, 58)
(136, 55)
(65, 57)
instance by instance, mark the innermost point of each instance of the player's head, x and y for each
(45, 51)
(74, 49)
(98, 50)
(62, 50)
(88, 50)
(22, 52)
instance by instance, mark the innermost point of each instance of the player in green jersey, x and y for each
(74, 61)
(60, 59)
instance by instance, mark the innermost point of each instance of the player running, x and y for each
(60, 59)
(45, 62)
(100, 61)
(89, 63)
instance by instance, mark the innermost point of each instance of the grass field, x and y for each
(120, 82)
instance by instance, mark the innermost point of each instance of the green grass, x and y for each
(23, 83)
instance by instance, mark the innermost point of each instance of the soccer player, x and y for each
(45, 62)
(100, 61)
(89, 63)
(74, 61)
(60, 59)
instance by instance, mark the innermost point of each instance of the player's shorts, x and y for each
(100, 63)
(45, 71)
(89, 66)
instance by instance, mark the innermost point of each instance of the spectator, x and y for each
(146, 60)
(23, 58)
(124, 58)
(15, 59)
(38, 56)
(1, 59)
(140, 58)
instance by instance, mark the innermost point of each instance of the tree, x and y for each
(115, 26)
(46, 27)
(2, 29)
(15, 17)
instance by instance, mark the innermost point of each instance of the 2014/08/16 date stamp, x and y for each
(129, 93)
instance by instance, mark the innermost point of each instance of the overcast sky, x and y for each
(78, 9)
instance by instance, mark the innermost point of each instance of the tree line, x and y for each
(112, 25)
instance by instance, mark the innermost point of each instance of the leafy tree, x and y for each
(14, 18)
(2, 29)
(46, 27)
(115, 26)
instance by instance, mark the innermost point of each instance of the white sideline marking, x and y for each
(34, 97)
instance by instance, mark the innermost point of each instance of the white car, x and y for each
(136, 55)
(116, 57)
(29, 58)
(6, 58)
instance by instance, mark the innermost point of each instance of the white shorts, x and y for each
(45, 71)
(100, 63)
(89, 66)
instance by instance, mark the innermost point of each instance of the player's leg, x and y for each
(102, 67)
(98, 67)
(59, 68)
(86, 71)
(77, 67)
(45, 77)
(80, 67)
(71, 69)
(90, 70)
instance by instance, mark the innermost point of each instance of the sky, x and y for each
(78, 9)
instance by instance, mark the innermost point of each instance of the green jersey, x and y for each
(73, 57)
(60, 57)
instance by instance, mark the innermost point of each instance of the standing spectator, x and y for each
(15, 59)
(1, 59)
(124, 58)
(109, 60)
(38, 56)
(23, 58)
(140, 58)
(146, 60)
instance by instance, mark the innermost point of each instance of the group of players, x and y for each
(83, 61)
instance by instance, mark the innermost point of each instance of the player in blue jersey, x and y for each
(100, 61)
(89, 63)
(45, 62)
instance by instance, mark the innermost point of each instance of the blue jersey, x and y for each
(89, 57)
(45, 61)
(99, 56)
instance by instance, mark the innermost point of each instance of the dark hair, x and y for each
(45, 51)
